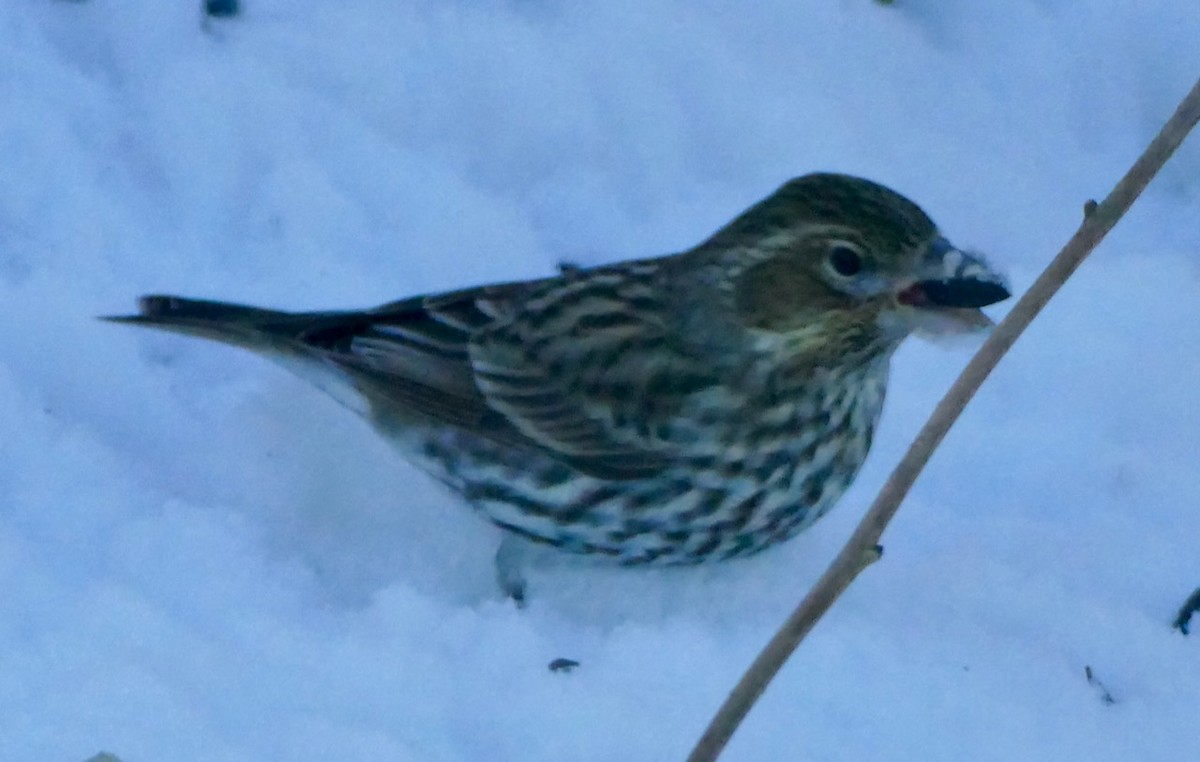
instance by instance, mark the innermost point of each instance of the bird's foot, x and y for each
(1190, 606)
(510, 568)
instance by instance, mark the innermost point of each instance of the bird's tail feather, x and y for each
(280, 336)
(249, 327)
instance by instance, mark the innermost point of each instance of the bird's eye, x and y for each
(844, 260)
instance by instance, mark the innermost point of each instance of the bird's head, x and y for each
(841, 262)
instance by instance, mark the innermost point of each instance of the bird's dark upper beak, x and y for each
(953, 284)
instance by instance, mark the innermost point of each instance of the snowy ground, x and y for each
(201, 558)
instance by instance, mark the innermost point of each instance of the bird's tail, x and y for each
(249, 327)
(292, 339)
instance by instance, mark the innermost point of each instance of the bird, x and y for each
(675, 410)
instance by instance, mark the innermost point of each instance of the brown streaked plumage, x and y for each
(698, 406)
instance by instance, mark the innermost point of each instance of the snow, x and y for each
(202, 558)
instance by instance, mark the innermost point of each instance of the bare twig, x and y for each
(1105, 696)
(1099, 219)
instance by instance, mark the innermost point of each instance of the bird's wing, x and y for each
(414, 356)
(582, 367)
(587, 368)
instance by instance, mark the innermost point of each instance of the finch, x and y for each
(688, 408)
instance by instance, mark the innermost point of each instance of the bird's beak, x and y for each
(950, 287)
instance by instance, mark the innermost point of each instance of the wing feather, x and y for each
(564, 366)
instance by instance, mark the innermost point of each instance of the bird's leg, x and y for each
(510, 567)
(1189, 607)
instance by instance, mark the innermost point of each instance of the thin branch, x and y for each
(1099, 219)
